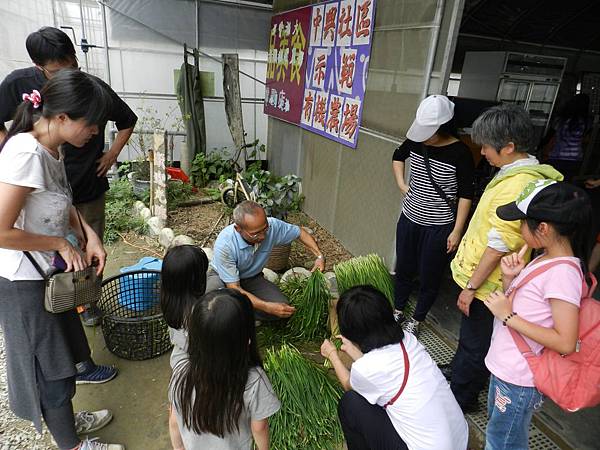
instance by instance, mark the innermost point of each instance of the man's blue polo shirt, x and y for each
(236, 259)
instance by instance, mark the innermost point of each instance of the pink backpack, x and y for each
(571, 381)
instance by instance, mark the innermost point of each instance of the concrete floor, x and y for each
(138, 395)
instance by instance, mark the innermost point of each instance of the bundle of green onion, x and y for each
(309, 322)
(364, 270)
(309, 398)
(293, 286)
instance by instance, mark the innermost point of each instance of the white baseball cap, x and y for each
(433, 112)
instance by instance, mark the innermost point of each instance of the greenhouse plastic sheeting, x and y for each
(176, 19)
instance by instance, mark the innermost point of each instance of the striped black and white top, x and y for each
(451, 168)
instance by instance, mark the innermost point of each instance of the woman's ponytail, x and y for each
(69, 92)
(23, 121)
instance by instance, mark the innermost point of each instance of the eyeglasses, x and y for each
(260, 233)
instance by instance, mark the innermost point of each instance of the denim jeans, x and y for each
(510, 408)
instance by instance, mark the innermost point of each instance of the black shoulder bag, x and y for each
(452, 204)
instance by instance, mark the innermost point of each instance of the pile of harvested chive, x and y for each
(309, 322)
(362, 270)
(309, 398)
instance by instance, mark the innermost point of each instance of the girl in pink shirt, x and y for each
(555, 218)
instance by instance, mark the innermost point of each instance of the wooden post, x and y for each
(233, 103)
(158, 190)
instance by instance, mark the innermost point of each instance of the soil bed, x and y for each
(198, 221)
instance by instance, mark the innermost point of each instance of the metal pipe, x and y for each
(197, 24)
(439, 10)
(247, 4)
(453, 32)
(149, 131)
(219, 60)
(54, 20)
(87, 69)
(532, 44)
(105, 35)
(160, 96)
(383, 136)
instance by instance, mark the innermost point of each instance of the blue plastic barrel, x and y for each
(138, 292)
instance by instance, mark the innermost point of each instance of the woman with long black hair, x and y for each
(222, 397)
(36, 214)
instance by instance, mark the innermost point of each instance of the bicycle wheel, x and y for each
(229, 197)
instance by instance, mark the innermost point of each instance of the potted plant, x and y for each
(278, 196)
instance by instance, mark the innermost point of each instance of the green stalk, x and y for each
(309, 322)
(369, 270)
(309, 398)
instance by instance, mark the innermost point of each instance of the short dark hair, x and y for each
(183, 282)
(49, 44)
(499, 125)
(366, 317)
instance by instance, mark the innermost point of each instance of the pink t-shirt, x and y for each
(531, 302)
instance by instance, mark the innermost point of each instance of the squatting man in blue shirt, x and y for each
(241, 252)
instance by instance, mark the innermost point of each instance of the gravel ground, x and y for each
(17, 434)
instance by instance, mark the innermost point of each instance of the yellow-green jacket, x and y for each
(504, 188)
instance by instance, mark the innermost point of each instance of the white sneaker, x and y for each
(93, 444)
(412, 326)
(399, 316)
(90, 421)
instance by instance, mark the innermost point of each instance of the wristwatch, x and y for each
(470, 287)
(320, 256)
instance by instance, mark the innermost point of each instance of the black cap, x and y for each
(546, 201)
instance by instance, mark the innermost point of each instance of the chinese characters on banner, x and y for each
(333, 69)
(286, 64)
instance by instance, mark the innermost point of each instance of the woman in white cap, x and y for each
(436, 204)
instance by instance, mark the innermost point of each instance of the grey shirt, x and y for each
(180, 346)
(260, 402)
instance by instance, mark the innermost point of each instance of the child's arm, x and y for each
(174, 434)
(329, 351)
(260, 433)
(561, 338)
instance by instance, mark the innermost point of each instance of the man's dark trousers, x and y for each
(469, 373)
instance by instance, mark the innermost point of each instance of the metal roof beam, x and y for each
(524, 16)
(554, 30)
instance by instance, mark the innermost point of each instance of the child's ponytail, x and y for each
(23, 121)
(579, 228)
(581, 235)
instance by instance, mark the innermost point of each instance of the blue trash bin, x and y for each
(143, 297)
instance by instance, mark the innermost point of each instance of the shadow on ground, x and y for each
(138, 395)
